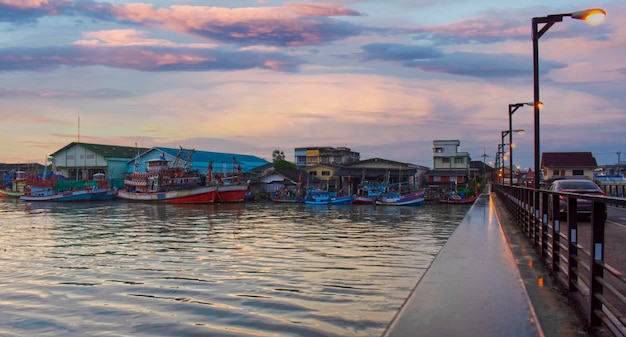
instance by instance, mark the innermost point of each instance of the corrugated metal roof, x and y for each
(201, 159)
(110, 151)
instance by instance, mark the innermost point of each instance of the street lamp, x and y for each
(594, 15)
(510, 144)
(512, 109)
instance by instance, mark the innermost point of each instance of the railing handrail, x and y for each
(575, 272)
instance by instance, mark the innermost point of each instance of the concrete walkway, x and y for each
(474, 287)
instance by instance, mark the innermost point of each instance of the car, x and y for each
(579, 186)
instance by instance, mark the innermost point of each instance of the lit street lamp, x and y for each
(512, 109)
(594, 15)
(510, 144)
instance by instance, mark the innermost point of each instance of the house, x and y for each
(286, 179)
(82, 160)
(555, 165)
(450, 167)
(326, 155)
(384, 170)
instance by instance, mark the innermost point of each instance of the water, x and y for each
(255, 269)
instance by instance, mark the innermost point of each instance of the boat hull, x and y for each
(330, 201)
(408, 199)
(361, 200)
(10, 194)
(412, 202)
(200, 195)
(469, 200)
(81, 195)
(231, 193)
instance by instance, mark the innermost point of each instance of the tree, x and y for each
(278, 155)
(284, 164)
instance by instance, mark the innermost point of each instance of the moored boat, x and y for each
(320, 197)
(286, 196)
(230, 186)
(162, 183)
(14, 185)
(453, 198)
(406, 199)
(65, 190)
(368, 193)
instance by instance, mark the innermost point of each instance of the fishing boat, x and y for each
(321, 197)
(14, 185)
(64, 190)
(398, 199)
(165, 183)
(286, 196)
(454, 198)
(230, 185)
(109, 194)
(368, 193)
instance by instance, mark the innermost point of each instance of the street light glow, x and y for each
(594, 15)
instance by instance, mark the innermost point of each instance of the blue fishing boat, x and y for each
(320, 197)
(406, 199)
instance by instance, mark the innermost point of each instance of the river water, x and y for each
(253, 269)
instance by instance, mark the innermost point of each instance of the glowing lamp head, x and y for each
(593, 16)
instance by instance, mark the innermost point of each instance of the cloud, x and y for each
(397, 52)
(474, 64)
(131, 37)
(294, 24)
(144, 58)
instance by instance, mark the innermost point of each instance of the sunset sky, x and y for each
(384, 78)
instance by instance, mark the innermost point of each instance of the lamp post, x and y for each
(503, 144)
(499, 163)
(594, 15)
(512, 108)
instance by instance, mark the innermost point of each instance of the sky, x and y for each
(383, 78)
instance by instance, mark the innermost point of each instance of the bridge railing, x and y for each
(579, 268)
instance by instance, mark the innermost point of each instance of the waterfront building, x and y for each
(82, 160)
(450, 167)
(325, 155)
(556, 165)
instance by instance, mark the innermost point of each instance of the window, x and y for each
(325, 173)
(578, 172)
(313, 173)
(436, 178)
(555, 172)
(90, 156)
(70, 156)
(459, 160)
(445, 160)
(438, 150)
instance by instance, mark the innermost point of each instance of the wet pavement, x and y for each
(486, 281)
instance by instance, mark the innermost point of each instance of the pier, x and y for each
(511, 270)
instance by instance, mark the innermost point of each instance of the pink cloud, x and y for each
(293, 24)
(23, 4)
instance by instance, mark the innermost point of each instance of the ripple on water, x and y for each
(119, 269)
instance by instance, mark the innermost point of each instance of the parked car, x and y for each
(579, 186)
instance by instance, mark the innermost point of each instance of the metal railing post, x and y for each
(598, 213)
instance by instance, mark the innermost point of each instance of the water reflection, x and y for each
(251, 269)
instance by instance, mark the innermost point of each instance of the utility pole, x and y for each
(485, 155)
(619, 153)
